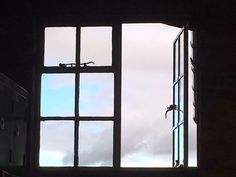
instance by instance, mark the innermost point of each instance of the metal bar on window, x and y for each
(96, 118)
(116, 62)
(178, 130)
(56, 118)
(80, 118)
(185, 97)
(76, 135)
(174, 63)
(85, 69)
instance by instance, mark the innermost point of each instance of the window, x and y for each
(84, 110)
(184, 125)
(80, 88)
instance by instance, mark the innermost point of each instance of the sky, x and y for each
(146, 136)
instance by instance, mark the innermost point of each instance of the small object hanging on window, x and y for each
(86, 63)
(170, 108)
(64, 65)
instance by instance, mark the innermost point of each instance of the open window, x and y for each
(81, 101)
(184, 123)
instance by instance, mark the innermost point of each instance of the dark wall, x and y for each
(16, 49)
(216, 66)
(218, 123)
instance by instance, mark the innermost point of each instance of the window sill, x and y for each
(117, 172)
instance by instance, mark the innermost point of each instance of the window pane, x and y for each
(96, 45)
(181, 99)
(56, 143)
(96, 97)
(95, 143)
(60, 45)
(192, 138)
(181, 59)
(176, 102)
(176, 145)
(176, 72)
(181, 144)
(57, 95)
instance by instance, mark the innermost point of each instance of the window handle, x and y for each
(64, 65)
(170, 108)
(86, 63)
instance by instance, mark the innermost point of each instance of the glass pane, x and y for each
(60, 44)
(176, 60)
(181, 99)
(176, 102)
(176, 146)
(181, 144)
(96, 97)
(57, 95)
(190, 43)
(56, 143)
(181, 59)
(192, 131)
(96, 143)
(96, 45)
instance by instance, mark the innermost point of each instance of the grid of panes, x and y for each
(180, 100)
(79, 78)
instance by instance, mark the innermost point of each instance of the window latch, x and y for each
(170, 108)
(64, 65)
(86, 63)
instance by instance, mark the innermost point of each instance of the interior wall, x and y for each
(216, 64)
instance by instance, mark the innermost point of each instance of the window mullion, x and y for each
(186, 97)
(116, 62)
(178, 130)
(77, 75)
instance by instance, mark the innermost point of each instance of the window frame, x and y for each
(115, 69)
(177, 78)
(116, 58)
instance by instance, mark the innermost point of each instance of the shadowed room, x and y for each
(117, 88)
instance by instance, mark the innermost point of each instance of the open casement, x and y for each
(180, 99)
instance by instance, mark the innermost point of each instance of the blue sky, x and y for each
(146, 92)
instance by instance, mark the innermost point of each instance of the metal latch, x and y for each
(64, 65)
(170, 108)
